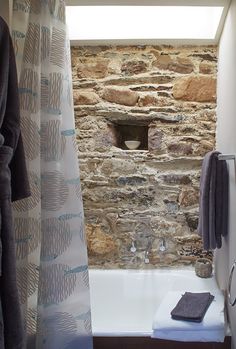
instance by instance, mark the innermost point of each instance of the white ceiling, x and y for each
(94, 22)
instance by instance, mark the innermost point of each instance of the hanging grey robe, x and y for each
(13, 186)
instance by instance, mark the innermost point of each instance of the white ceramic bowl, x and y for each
(132, 144)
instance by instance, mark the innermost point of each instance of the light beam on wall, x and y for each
(143, 22)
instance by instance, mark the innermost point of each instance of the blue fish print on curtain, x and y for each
(50, 244)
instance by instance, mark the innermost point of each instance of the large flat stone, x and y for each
(148, 100)
(85, 97)
(93, 69)
(122, 96)
(99, 243)
(176, 179)
(189, 197)
(179, 65)
(113, 167)
(155, 139)
(195, 88)
(132, 180)
(180, 148)
(207, 68)
(126, 81)
(134, 67)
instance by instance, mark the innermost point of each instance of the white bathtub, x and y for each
(123, 302)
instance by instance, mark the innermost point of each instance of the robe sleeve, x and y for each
(10, 128)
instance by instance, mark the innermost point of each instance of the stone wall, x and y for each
(166, 98)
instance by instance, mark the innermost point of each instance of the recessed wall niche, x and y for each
(130, 132)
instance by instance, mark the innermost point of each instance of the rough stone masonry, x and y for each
(166, 97)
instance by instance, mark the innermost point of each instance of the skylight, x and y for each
(143, 22)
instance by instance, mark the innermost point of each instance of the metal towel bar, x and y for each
(232, 303)
(226, 157)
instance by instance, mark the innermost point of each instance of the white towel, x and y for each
(211, 329)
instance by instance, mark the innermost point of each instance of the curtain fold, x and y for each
(51, 249)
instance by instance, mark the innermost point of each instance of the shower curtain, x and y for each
(50, 244)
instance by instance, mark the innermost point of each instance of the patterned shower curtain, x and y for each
(50, 243)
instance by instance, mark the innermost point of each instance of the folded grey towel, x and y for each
(213, 204)
(192, 306)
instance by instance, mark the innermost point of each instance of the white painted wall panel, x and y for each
(226, 143)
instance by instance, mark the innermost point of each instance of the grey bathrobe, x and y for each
(13, 186)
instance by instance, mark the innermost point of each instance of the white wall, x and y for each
(226, 143)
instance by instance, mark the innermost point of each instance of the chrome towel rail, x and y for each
(226, 157)
(231, 302)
